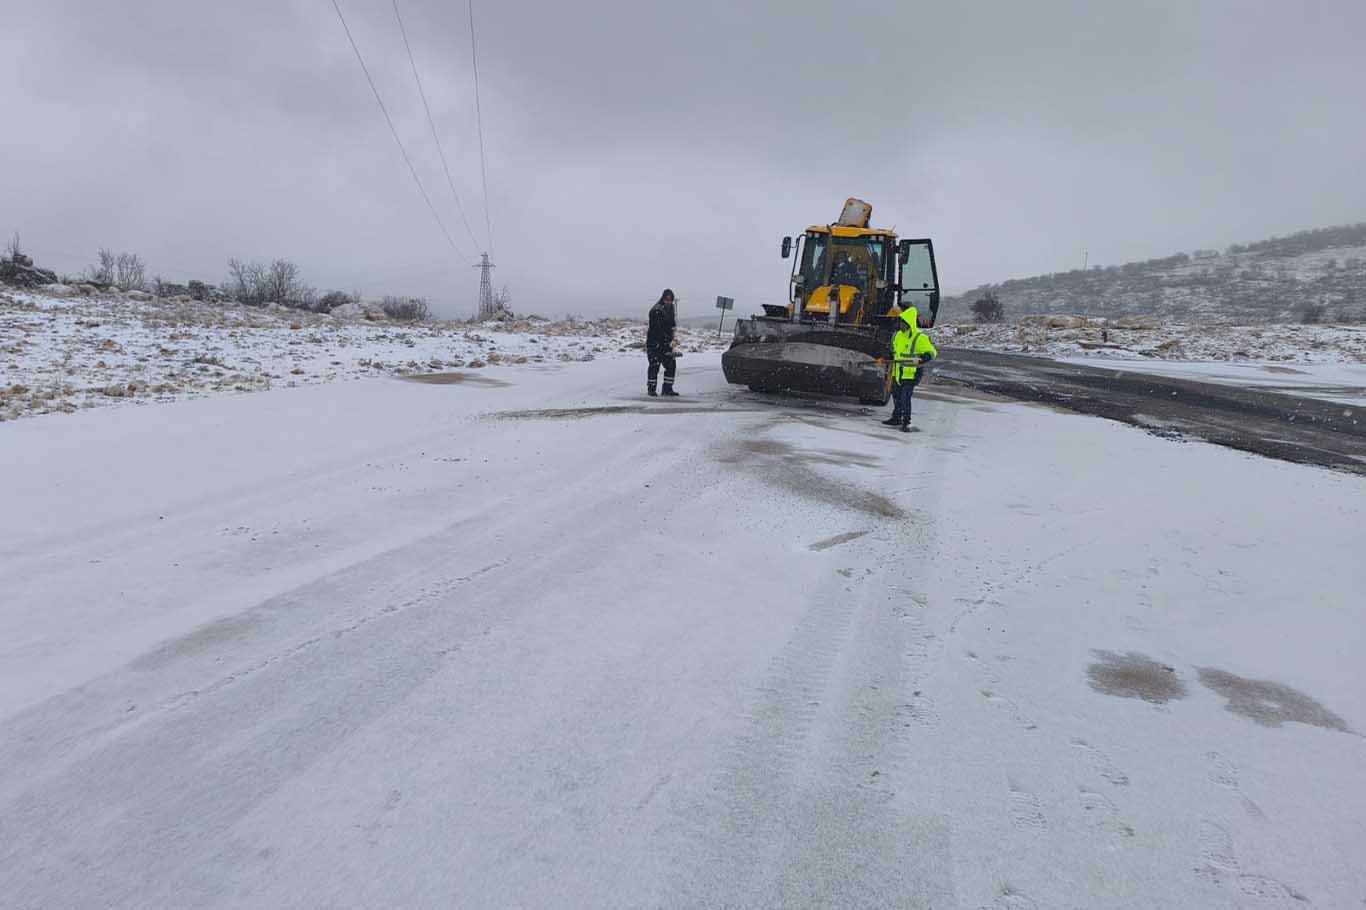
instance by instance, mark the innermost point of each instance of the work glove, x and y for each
(924, 359)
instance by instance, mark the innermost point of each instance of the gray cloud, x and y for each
(633, 144)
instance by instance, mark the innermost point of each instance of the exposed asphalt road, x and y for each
(1287, 427)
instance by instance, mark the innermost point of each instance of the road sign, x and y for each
(723, 304)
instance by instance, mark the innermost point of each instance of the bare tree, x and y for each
(130, 272)
(103, 271)
(406, 309)
(126, 271)
(246, 282)
(502, 300)
(282, 282)
(279, 282)
(14, 249)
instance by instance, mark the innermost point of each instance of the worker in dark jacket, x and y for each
(659, 344)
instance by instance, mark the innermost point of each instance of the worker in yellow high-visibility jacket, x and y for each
(910, 349)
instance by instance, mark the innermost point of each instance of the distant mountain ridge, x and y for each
(1273, 280)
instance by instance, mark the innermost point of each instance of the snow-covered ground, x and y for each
(1317, 361)
(1340, 382)
(65, 353)
(60, 354)
(526, 638)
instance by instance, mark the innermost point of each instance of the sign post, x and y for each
(723, 304)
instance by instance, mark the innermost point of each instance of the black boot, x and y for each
(906, 427)
(650, 390)
(669, 391)
(892, 421)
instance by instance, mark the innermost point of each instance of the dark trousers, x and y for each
(901, 399)
(670, 363)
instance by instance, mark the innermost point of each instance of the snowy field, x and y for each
(60, 354)
(525, 638)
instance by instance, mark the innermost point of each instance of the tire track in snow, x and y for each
(433, 592)
(745, 802)
(362, 587)
(123, 534)
(136, 694)
(812, 804)
(150, 809)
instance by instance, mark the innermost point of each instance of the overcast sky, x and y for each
(633, 145)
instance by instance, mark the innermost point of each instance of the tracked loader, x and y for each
(848, 287)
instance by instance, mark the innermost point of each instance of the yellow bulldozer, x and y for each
(848, 287)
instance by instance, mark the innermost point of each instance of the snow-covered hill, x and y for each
(1269, 281)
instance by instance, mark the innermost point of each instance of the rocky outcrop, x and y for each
(19, 270)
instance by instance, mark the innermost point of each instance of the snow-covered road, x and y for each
(1344, 383)
(531, 639)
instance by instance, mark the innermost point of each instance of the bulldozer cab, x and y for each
(840, 277)
(856, 275)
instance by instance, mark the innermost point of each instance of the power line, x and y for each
(479, 119)
(387, 119)
(432, 123)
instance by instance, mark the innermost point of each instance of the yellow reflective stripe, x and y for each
(907, 366)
